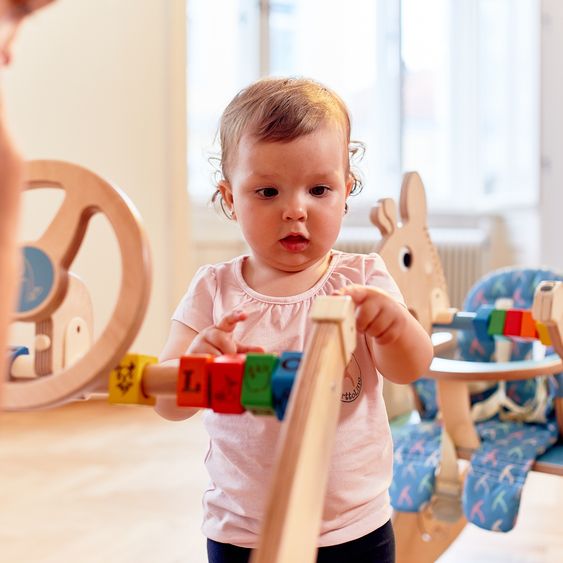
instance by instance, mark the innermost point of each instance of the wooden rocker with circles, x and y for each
(66, 364)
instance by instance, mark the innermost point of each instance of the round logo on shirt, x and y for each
(352, 384)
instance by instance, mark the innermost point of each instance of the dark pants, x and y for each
(376, 547)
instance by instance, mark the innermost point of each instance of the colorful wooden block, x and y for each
(528, 326)
(125, 380)
(481, 322)
(543, 334)
(257, 384)
(283, 379)
(226, 373)
(192, 388)
(496, 322)
(513, 323)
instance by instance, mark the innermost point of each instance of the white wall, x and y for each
(551, 205)
(102, 83)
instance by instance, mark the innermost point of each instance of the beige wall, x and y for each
(102, 83)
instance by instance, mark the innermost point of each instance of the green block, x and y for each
(496, 322)
(256, 393)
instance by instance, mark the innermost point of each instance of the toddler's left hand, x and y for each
(377, 313)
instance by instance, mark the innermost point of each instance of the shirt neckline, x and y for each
(334, 259)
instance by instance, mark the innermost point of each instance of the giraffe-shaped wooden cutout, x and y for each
(410, 255)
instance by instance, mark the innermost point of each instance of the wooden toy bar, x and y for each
(543, 322)
(296, 493)
(548, 309)
(229, 384)
(488, 322)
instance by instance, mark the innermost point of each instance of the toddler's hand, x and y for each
(377, 313)
(218, 339)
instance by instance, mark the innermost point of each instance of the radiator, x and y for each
(465, 254)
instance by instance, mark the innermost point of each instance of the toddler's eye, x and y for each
(319, 190)
(267, 193)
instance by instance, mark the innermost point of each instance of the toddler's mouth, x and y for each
(295, 243)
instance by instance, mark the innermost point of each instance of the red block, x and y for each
(226, 375)
(192, 389)
(513, 323)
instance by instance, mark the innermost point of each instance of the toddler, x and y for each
(286, 178)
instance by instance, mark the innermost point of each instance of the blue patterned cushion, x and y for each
(494, 482)
(415, 458)
(498, 470)
(499, 467)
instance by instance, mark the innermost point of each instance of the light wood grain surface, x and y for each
(91, 482)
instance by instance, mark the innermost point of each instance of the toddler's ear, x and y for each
(349, 184)
(226, 192)
(228, 200)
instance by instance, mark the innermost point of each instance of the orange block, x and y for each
(192, 388)
(528, 326)
(543, 334)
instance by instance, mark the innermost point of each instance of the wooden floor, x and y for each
(91, 483)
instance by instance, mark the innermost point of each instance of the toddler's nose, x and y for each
(294, 210)
(294, 213)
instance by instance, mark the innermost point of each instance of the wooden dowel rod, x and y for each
(461, 321)
(160, 379)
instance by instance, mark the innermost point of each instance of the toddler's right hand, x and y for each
(219, 339)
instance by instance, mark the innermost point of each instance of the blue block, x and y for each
(282, 381)
(481, 322)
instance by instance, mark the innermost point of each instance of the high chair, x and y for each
(513, 402)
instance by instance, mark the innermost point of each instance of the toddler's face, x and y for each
(289, 197)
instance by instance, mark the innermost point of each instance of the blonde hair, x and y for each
(281, 110)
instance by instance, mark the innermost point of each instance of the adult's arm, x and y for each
(11, 178)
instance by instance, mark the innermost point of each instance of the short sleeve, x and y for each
(377, 275)
(196, 307)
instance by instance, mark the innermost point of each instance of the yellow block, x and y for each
(125, 381)
(543, 334)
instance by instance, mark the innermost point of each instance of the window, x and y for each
(471, 100)
(448, 88)
(222, 58)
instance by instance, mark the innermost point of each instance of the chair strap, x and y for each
(446, 500)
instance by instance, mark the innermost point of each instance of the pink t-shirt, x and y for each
(241, 448)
